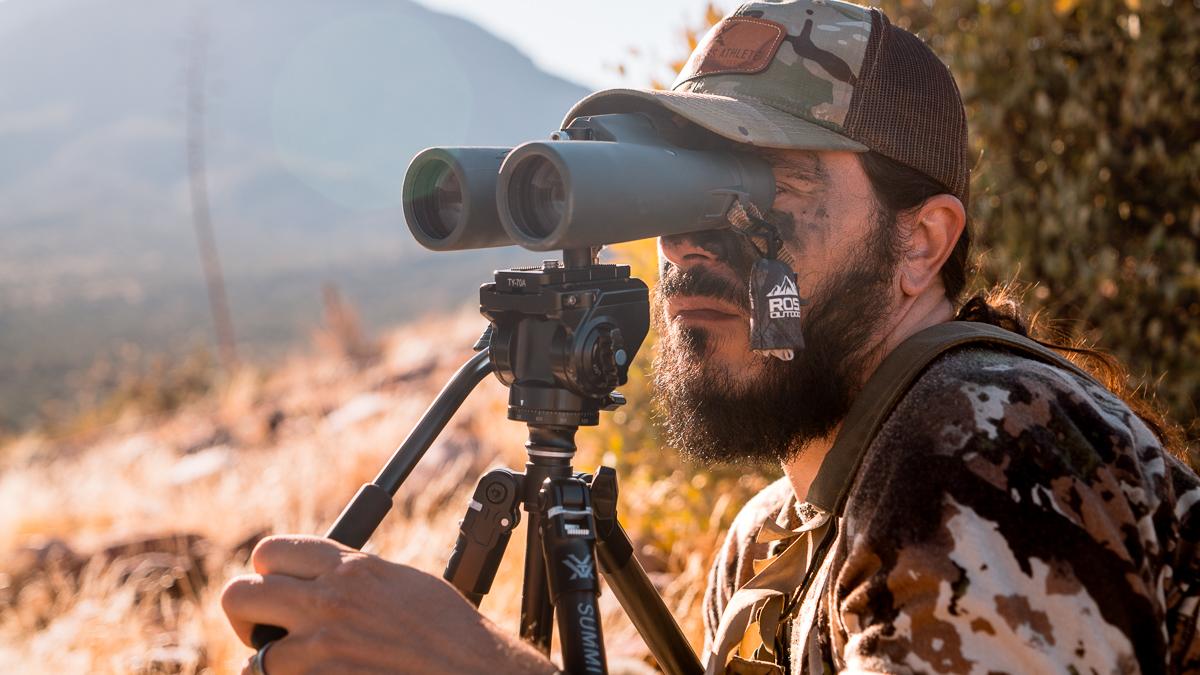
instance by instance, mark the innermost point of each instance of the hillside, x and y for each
(311, 111)
(116, 540)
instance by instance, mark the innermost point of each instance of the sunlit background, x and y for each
(298, 120)
(214, 323)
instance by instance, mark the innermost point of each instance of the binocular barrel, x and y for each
(574, 194)
(450, 198)
(617, 179)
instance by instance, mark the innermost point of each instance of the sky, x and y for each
(583, 41)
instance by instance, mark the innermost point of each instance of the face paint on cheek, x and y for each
(807, 221)
(806, 232)
(785, 223)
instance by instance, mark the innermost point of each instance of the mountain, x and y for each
(312, 110)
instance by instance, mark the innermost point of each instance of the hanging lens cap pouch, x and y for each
(775, 309)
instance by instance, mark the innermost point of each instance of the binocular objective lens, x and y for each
(449, 199)
(540, 196)
(439, 200)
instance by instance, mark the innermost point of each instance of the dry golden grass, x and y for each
(277, 452)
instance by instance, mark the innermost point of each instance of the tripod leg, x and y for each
(632, 587)
(484, 532)
(569, 538)
(537, 612)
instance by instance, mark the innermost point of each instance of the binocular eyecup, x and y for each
(603, 180)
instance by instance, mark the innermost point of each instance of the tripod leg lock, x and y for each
(569, 536)
(493, 512)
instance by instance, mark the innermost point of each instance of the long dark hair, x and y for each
(900, 189)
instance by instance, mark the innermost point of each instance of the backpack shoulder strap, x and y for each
(890, 382)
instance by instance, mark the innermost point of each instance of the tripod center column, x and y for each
(551, 449)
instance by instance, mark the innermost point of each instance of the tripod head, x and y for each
(563, 336)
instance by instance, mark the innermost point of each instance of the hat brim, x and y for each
(737, 119)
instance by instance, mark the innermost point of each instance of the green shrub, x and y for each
(1085, 129)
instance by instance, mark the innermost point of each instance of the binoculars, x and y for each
(604, 179)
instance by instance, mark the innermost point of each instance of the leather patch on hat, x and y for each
(739, 44)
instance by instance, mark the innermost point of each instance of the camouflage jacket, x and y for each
(1009, 517)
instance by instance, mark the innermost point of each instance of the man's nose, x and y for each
(693, 248)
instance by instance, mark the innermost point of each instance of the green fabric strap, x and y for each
(890, 382)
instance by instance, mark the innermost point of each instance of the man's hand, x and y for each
(347, 611)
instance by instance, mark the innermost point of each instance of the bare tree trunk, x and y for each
(201, 218)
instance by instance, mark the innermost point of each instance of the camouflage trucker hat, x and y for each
(816, 75)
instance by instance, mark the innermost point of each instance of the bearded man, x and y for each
(1010, 515)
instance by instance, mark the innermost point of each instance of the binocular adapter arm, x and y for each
(371, 504)
(362, 516)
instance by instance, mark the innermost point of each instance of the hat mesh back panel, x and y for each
(908, 108)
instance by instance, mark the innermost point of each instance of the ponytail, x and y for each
(1005, 313)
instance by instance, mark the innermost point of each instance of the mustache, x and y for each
(700, 281)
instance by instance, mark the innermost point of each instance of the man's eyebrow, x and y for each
(809, 171)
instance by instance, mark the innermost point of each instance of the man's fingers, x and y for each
(303, 557)
(273, 599)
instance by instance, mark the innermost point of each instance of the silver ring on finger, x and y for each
(257, 666)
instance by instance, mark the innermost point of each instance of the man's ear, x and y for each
(933, 231)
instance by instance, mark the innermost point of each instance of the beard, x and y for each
(769, 415)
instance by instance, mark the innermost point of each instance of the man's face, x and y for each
(723, 402)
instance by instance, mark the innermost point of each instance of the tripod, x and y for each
(561, 337)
